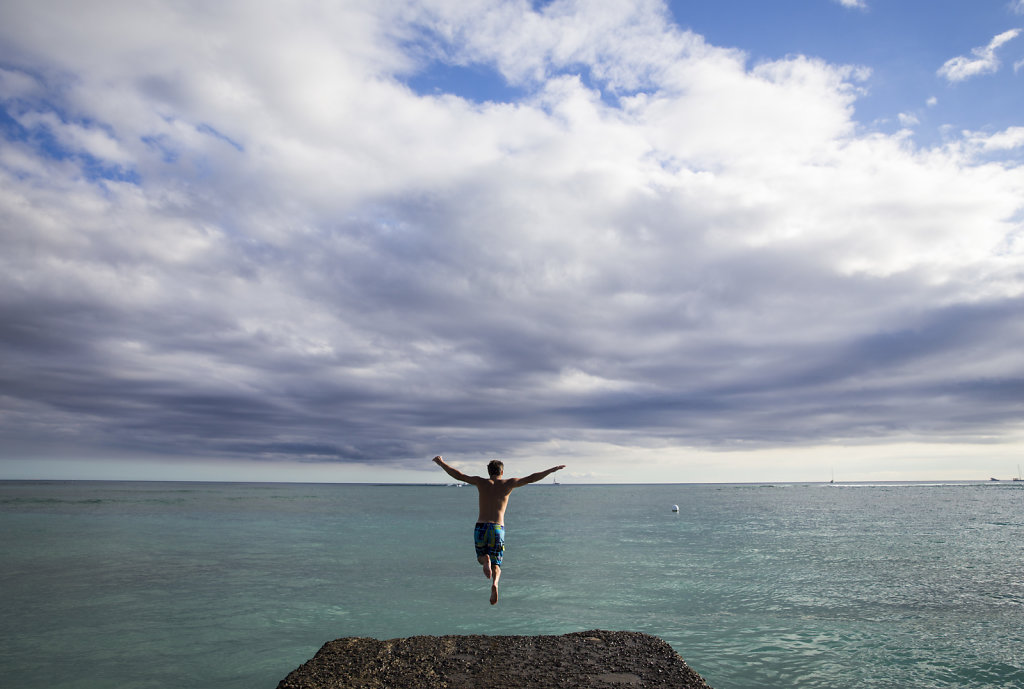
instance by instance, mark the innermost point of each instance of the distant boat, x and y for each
(1018, 478)
(994, 479)
(554, 481)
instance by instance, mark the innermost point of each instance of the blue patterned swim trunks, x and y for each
(489, 539)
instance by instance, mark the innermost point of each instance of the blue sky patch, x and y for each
(477, 83)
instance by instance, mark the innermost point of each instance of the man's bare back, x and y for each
(493, 495)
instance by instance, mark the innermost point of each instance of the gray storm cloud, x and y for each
(233, 233)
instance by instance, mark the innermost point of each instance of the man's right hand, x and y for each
(438, 461)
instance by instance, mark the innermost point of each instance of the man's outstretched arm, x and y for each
(533, 478)
(455, 473)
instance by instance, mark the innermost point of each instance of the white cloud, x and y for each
(908, 119)
(657, 243)
(1005, 140)
(857, 4)
(984, 61)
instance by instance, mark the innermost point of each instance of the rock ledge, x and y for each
(591, 660)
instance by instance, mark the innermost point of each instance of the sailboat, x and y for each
(1018, 478)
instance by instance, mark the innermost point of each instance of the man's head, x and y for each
(495, 468)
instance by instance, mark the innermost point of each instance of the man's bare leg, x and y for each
(486, 562)
(494, 584)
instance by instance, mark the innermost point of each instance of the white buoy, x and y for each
(675, 508)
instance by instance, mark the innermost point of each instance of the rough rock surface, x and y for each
(592, 660)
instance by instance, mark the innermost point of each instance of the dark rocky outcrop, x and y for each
(589, 660)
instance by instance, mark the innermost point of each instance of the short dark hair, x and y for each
(495, 467)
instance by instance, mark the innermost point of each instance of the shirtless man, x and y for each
(489, 534)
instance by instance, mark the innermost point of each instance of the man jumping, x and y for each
(489, 534)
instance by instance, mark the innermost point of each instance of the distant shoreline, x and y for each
(748, 484)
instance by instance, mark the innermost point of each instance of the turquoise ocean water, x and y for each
(218, 586)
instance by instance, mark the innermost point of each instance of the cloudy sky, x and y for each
(327, 240)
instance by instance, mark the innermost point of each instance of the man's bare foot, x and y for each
(487, 566)
(494, 593)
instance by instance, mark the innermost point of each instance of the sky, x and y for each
(654, 242)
